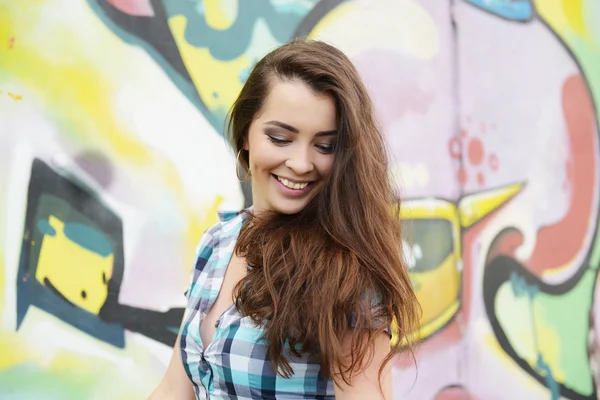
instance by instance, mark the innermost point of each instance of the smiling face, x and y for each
(290, 145)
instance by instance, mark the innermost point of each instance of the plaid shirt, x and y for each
(234, 364)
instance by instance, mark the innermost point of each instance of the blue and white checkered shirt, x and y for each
(234, 365)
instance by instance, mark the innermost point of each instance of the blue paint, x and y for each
(230, 43)
(31, 293)
(521, 287)
(185, 85)
(225, 45)
(199, 7)
(515, 10)
(45, 228)
(244, 74)
(298, 8)
(549, 380)
(88, 238)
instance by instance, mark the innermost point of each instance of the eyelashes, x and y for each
(327, 149)
(323, 148)
(275, 140)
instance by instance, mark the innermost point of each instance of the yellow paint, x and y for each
(54, 73)
(217, 15)
(528, 339)
(327, 19)
(15, 97)
(74, 270)
(209, 75)
(13, 350)
(553, 13)
(474, 207)
(499, 354)
(549, 343)
(429, 208)
(573, 10)
(515, 312)
(430, 328)
(558, 270)
(438, 289)
(68, 86)
(81, 85)
(197, 226)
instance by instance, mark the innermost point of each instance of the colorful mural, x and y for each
(113, 163)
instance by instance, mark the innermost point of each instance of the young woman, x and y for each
(294, 298)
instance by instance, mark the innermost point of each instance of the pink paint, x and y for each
(480, 178)
(462, 176)
(493, 162)
(398, 97)
(553, 248)
(476, 151)
(454, 147)
(138, 8)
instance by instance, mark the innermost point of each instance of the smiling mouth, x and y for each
(50, 286)
(291, 184)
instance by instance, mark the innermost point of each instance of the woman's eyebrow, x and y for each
(283, 125)
(290, 128)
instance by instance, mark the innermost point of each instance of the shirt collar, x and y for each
(228, 215)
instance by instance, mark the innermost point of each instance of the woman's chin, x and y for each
(288, 207)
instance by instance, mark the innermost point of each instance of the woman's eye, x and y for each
(325, 148)
(277, 140)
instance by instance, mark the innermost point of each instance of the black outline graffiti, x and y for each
(161, 39)
(113, 318)
(497, 272)
(498, 269)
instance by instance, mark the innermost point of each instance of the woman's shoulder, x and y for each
(217, 236)
(226, 226)
(229, 219)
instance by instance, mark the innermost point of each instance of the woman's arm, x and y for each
(365, 385)
(175, 383)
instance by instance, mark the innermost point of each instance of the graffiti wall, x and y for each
(113, 163)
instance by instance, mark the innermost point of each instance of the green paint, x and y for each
(565, 316)
(568, 314)
(30, 381)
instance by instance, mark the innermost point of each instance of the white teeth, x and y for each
(292, 185)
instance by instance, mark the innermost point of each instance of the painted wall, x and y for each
(113, 163)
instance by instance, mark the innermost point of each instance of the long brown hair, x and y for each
(313, 272)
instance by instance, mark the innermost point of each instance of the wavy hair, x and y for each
(336, 267)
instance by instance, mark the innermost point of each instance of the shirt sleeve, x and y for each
(203, 253)
(376, 308)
